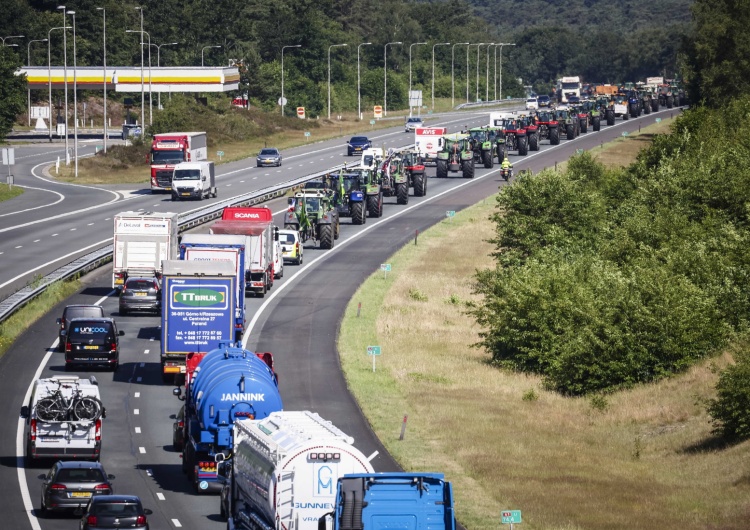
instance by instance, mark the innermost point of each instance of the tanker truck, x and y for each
(283, 471)
(228, 384)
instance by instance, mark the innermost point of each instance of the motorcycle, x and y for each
(506, 173)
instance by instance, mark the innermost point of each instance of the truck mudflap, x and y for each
(206, 477)
(173, 365)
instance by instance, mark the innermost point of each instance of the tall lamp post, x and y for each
(150, 99)
(478, 47)
(359, 94)
(158, 65)
(329, 74)
(433, 69)
(28, 63)
(204, 49)
(49, 74)
(410, 47)
(11, 37)
(65, 79)
(453, 79)
(385, 76)
(467, 67)
(283, 101)
(104, 71)
(143, 97)
(501, 65)
(75, 97)
(487, 74)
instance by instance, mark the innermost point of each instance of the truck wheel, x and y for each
(596, 123)
(442, 169)
(468, 169)
(571, 131)
(402, 193)
(420, 185)
(610, 117)
(534, 142)
(487, 159)
(554, 136)
(358, 213)
(326, 237)
(523, 146)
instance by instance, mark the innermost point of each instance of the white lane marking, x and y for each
(160, 495)
(54, 235)
(177, 523)
(2, 252)
(138, 430)
(143, 364)
(136, 411)
(37, 240)
(146, 351)
(100, 243)
(89, 224)
(142, 450)
(138, 380)
(62, 198)
(152, 338)
(19, 246)
(137, 394)
(73, 229)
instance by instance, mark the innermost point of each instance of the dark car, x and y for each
(75, 311)
(115, 511)
(269, 156)
(357, 144)
(543, 101)
(71, 485)
(92, 341)
(140, 294)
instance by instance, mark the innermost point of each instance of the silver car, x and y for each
(71, 485)
(269, 156)
(412, 122)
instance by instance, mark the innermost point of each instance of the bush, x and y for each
(731, 408)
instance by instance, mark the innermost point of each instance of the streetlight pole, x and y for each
(501, 65)
(410, 47)
(11, 37)
(495, 82)
(75, 97)
(433, 69)
(143, 97)
(150, 100)
(158, 65)
(283, 102)
(28, 63)
(104, 71)
(329, 75)
(359, 94)
(204, 49)
(49, 75)
(385, 76)
(467, 68)
(487, 75)
(453, 79)
(65, 76)
(478, 47)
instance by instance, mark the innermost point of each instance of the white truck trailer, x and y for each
(284, 470)
(428, 141)
(142, 240)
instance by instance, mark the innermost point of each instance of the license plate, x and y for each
(49, 439)
(268, 160)
(91, 347)
(79, 494)
(141, 294)
(185, 194)
(119, 282)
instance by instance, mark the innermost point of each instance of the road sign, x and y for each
(658, 120)
(9, 156)
(579, 151)
(450, 213)
(624, 133)
(219, 153)
(372, 122)
(510, 517)
(307, 133)
(301, 113)
(385, 267)
(377, 111)
(282, 101)
(373, 350)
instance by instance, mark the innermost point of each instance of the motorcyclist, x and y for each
(507, 167)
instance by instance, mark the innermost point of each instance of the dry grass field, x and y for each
(643, 458)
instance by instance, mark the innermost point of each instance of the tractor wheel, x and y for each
(626, 116)
(326, 236)
(468, 169)
(647, 108)
(571, 131)
(380, 204)
(596, 123)
(487, 159)
(655, 105)
(610, 117)
(534, 142)
(337, 229)
(670, 102)
(420, 185)
(358, 213)
(402, 193)
(372, 205)
(523, 146)
(442, 169)
(554, 136)
(584, 125)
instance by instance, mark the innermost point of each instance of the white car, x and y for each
(291, 246)
(532, 104)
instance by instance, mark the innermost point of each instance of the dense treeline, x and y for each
(610, 278)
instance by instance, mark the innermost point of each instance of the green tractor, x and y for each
(456, 155)
(313, 215)
(394, 179)
(482, 142)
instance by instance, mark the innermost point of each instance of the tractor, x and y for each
(568, 120)
(414, 169)
(483, 146)
(547, 127)
(515, 136)
(312, 214)
(532, 131)
(349, 191)
(456, 155)
(393, 178)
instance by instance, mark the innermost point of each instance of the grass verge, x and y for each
(644, 458)
(6, 192)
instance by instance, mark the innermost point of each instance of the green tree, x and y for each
(731, 408)
(12, 90)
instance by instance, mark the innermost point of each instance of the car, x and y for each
(532, 104)
(291, 246)
(314, 185)
(357, 144)
(278, 261)
(71, 485)
(269, 156)
(75, 311)
(115, 511)
(140, 294)
(412, 122)
(93, 342)
(543, 101)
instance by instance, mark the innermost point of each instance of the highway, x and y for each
(297, 321)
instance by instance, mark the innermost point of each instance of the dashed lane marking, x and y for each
(137, 394)
(142, 450)
(138, 430)
(136, 411)
(160, 495)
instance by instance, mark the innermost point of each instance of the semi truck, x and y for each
(392, 500)
(229, 384)
(567, 87)
(231, 249)
(198, 308)
(257, 225)
(283, 471)
(142, 240)
(428, 141)
(168, 150)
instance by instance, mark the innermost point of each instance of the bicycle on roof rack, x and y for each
(58, 408)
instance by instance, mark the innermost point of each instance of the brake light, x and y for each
(91, 520)
(101, 487)
(141, 520)
(62, 323)
(113, 347)
(98, 431)
(57, 487)
(296, 245)
(68, 346)
(32, 430)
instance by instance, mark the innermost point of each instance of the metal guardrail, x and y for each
(190, 220)
(493, 103)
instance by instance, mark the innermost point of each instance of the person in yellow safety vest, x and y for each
(506, 165)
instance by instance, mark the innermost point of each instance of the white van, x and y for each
(193, 180)
(64, 419)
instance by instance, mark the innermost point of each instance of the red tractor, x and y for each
(547, 127)
(515, 136)
(414, 169)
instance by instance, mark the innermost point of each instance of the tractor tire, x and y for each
(610, 117)
(488, 159)
(372, 205)
(670, 102)
(570, 130)
(420, 185)
(442, 169)
(358, 213)
(626, 116)
(534, 142)
(554, 136)
(596, 123)
(633, 110)
(523, 146)
(326, 237)
(402, 193)
(647, 108)
(337, 229)
(584, 125)
(468, 169)
(655, 105)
